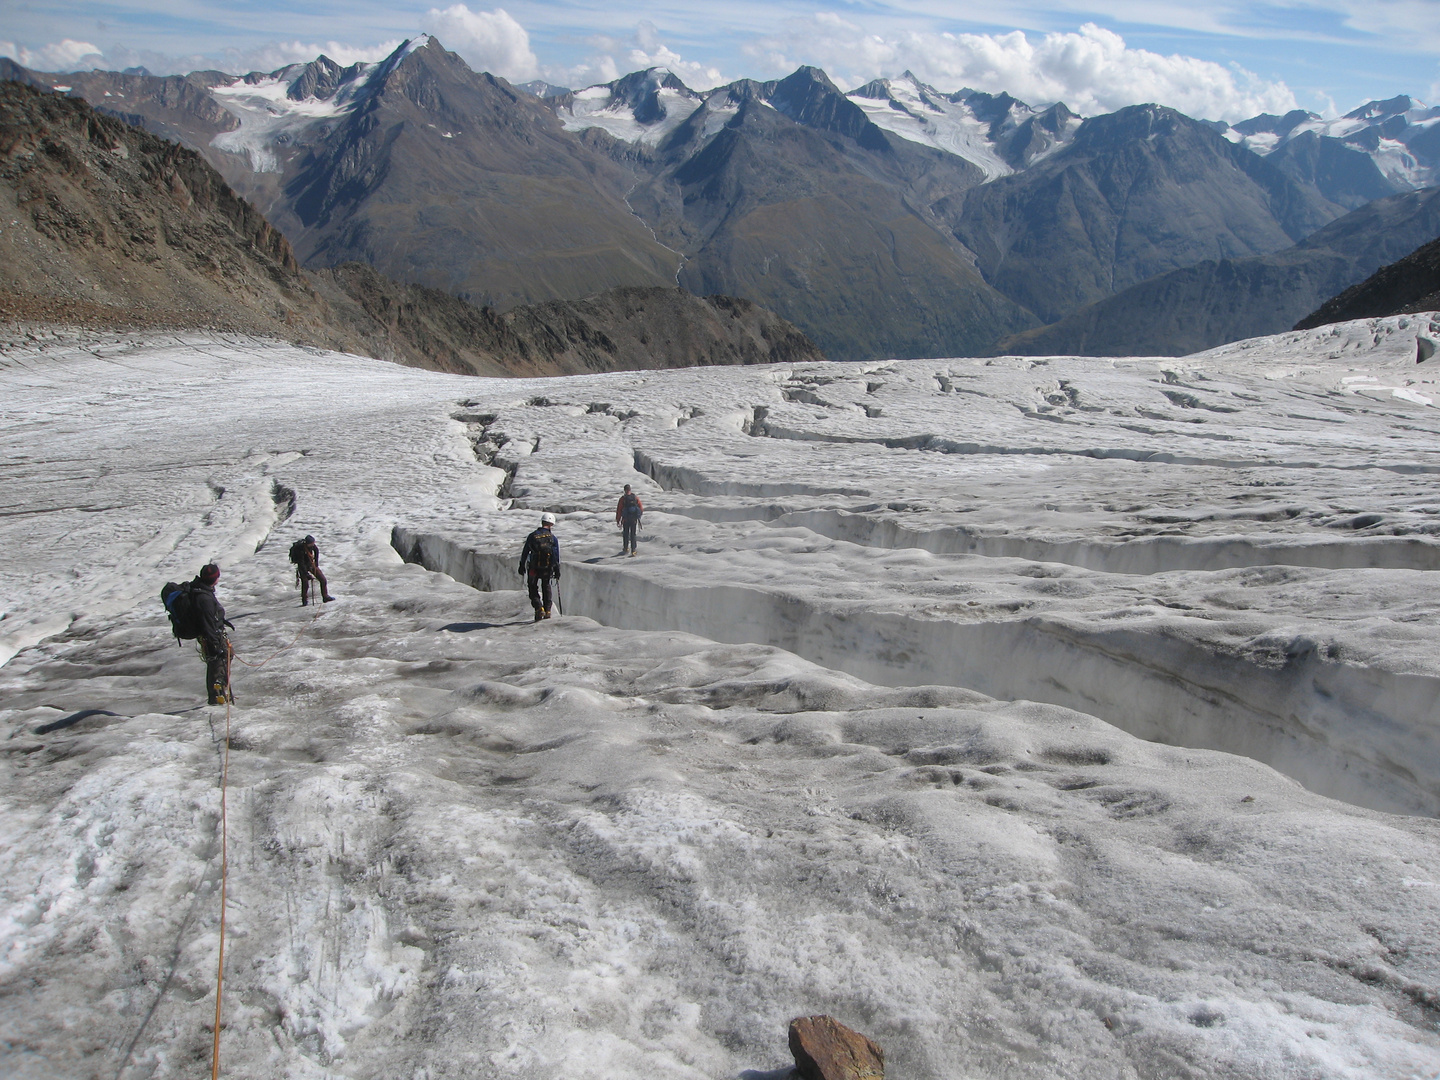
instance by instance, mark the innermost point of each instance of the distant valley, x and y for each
(893, 220)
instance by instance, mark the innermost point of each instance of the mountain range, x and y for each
(1220, 300)
(891, 220)
(109, 226)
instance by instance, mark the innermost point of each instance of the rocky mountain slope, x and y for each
(628, 329)
(1052, 212)
(785, 193)
(1222, 300)
(1135, 193)
(455, 180)
(102, 216)
(418, 166)
(111, 226)
(1406, 286)
(894, 220)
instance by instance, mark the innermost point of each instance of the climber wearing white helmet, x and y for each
(540, 566)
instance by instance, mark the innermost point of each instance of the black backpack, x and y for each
(180, 606)
(630, 506)
(297, 553)
(542, 559)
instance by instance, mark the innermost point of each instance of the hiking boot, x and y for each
(547, 613)
(327, 599)
(539, 614)
(632, 554)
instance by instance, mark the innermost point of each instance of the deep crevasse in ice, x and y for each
(464, 843)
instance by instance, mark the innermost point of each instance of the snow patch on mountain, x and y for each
(1396, 134)
(276, 110)
(641, 108)
(920, 114)
(269, 117)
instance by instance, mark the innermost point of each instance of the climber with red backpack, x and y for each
(540, 566)
(627, 516)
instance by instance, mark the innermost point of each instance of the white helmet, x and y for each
(547, 519)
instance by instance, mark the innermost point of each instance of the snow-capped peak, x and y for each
(274, 107)
(644, 106)
(972, 125)
(1385, 131)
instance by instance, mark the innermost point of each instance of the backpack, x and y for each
(630, 506)
(542, 559)
(297, 553)
(180, 606)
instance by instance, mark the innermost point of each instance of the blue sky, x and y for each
(1220, 59)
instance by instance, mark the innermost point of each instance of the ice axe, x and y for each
(558, 605)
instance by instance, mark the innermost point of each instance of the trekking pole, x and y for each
(558, 605)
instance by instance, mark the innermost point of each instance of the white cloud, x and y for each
(644, 49)
(488, 40)
(650, 51)
(1092, 70)
(65, 55)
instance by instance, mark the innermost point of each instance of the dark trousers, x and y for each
(319, 576)
(627, 533)
(217, 670)
(539, 588)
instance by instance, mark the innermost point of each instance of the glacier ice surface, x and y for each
(992, 706)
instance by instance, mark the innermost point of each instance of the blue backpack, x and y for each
(180, 606)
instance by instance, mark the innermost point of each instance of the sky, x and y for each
(1213, 59)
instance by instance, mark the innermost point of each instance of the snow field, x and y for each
(465, 844)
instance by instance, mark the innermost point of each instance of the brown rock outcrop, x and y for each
(826, 1049)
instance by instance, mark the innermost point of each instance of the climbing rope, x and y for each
(224, 877)
(225, 835)
(299, 634)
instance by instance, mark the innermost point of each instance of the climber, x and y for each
(540, 565)
(627, 515)
(210, 624)
(305, 554)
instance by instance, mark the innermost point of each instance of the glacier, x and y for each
(1056, 717)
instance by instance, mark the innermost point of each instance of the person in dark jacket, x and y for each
(305, 554)
(214, 645)
(540, 565)
(627, 516)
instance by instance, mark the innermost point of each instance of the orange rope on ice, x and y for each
(282, 648)
(225, 838)
(224, 875)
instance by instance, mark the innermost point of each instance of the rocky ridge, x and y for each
(1404, 287)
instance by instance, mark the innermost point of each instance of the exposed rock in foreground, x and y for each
(826, 1049)
(1410, 285)
(110, 227)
